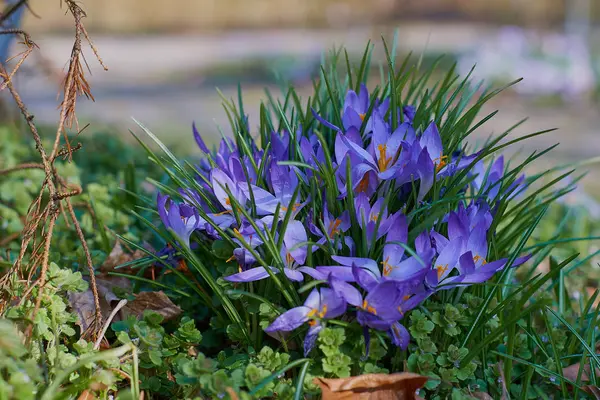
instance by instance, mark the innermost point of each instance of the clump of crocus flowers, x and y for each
(342, 210)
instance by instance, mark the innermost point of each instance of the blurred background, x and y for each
(165, 59)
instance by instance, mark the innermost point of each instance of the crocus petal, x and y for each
(352, 100)
(313, 273)
(456, 228)
(289, 320)
(293, 275)
(477, 243)
(365, 263)
(199, 140)
(426, 172)
(367, 319)
(346, 291)
(280, 145)
(251, 275)
(432, 141)
(399, 335)
(438, 241)
(219, 181)
(351, 118)
(363, 99)
(323, 121)
(341, 273)
(359, 152)
(161, 202)
(448, 257)
(313, 300)
(423, 242)
(380, 132)
(294, 235)
(364, 278)
(412, 268)
(336, 305)
(395, 141)
(383, 299)
(398, 233)
(311, 338)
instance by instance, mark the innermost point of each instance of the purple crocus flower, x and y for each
(375, 221)
(182, 219)
(334, 227)
(284, 182)
(385, 148)
(472, 272)
(312, 152)
(220, 181)
(395, 267)
(492, 184)
(293, 254)
(319, 305)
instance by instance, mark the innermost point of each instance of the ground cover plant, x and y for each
(352, 234)
(358, 232)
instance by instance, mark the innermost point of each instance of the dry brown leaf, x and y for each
(400, 386)
(572, 371)
(155, 301)
(83, 303)
(118, 257)
(86, 395)
(232, 394)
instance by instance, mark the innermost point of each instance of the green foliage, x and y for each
(517, 333)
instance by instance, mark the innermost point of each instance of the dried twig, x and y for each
(112, 315)
(21, 167)
(42, 216)
(30, 47)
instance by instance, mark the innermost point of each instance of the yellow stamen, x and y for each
(363, 185)
(362, 116)
(374, 217)
(312, 313)
(440, 162)
(406, 297)
(334, 226)
(312, 322)
(477, 258)
(294, 207)
(323, 311)
(228, 201)
(289, 259)
(441, 269)
(230, 258)
(384, 161)
(387, 267)
(368, 308)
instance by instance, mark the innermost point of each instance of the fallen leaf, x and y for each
(83, 303)
(155, 301)
(400, 386)
(86, 395)
(118, 257)
(232, 394)
(572, 371)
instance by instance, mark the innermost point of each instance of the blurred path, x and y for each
(158, 80)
